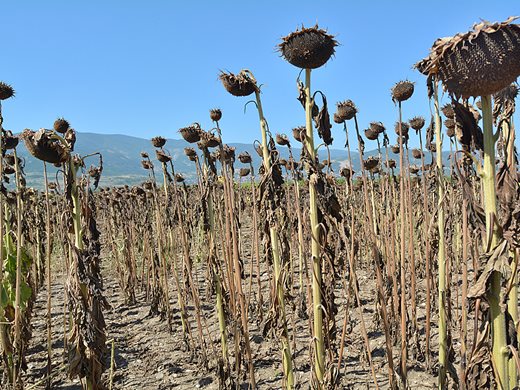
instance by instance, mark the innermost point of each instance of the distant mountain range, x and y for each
(122, 158)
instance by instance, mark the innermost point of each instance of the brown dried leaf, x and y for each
(322, 122)
(497, 260)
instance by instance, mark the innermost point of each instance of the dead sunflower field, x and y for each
(403, 275)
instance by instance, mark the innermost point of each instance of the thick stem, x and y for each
(498, 321)
(319, 353)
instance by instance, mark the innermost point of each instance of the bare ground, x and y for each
(148, 356)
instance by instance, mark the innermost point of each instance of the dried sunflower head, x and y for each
(158, 141)
(371, 134)
(10, 140)
(391, 163)
(282, 140)
(228, 153)
(244, 158)
(402, 129)
(190, 153)
(191, 133)
(299, 133)
(479, 62)
(6, 91)
(337, 119)
(244, 172)
(209, 140)
(8, 169)
(242, 84)
(417, 123)
(44, 145)
(371, 163)
(450, 127)
(417, 153)
(215, 114)
(402, 91)
(162, 157)
(346, 172)
(61, 125)
(308, 48)
(378, 127)
(448, 111)
(414, 169)
(346, 110)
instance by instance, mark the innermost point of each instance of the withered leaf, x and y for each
(496, 260)
(302, 97)
(322, 122)
(467, 130)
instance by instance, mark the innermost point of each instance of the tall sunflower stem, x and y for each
(278, 270)
(19, 237)
(500, 351)
(48, 249)
(319, 352)
(443, 348)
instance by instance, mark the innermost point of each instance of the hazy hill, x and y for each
(121, 158)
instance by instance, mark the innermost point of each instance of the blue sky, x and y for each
(146, 68)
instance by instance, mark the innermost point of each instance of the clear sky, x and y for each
(147, 68)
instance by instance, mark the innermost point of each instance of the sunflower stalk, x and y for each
(443, 338)
(182, 306)
(5, 343)
(319, 347)
(278, 271)
(48, 249)
(500, 351)
(402, 253)
(19, 238)
(426, 223)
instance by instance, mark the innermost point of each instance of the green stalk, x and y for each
(275, 247)
(443, 355)
(500, 351)
(319, 353)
